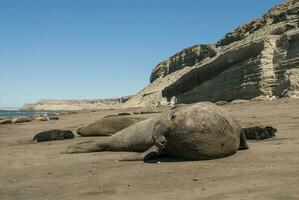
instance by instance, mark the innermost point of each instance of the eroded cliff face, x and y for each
(268, 71)
(185, 58)
(260, 59)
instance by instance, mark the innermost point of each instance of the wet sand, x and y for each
(268, 170)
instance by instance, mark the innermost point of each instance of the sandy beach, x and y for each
(268, 170)
(67, 64)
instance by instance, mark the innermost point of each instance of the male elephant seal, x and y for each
(53, 135)
(196, 132)
(108, 125)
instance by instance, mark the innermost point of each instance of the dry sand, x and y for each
(268, 170)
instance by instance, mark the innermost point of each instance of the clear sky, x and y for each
(84, 49)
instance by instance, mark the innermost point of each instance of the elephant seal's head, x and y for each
(67, 134)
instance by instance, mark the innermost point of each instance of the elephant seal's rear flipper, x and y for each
(86, 147)
(149, 154)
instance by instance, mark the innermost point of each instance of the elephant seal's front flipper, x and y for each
(149, 154)
(161, 131)
(243, 142)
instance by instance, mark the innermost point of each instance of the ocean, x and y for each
(11, 112)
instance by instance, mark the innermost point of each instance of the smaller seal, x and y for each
(21, 120)
(53, 135)
(221, 103)
(123, 114)
(6, 121)
(53, 117)
(41, 118)
(259, 132)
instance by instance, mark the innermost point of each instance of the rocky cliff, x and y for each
(259, 59)
(186, 58)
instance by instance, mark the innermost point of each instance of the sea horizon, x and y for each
(14, 111)
(10, 108)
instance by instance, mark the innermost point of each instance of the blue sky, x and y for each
(85, 49)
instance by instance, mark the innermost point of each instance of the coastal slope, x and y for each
(258, 60)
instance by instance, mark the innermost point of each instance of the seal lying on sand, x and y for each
(108, 125)
(53, 135)
(6, 121)
(259, 132)
(123, 114)
(196, 132)
(21, 120)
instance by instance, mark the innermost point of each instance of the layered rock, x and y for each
(187, 57)
(260, 59)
